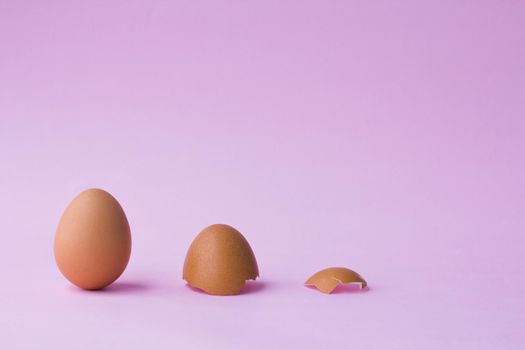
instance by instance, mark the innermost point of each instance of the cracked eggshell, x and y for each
(219, 261)
(328, 279)
(93, 240)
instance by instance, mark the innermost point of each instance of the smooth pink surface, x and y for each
(386, 136)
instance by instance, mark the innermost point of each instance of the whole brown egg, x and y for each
(93, 240)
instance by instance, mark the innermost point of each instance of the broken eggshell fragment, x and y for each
(219, 261)
(328, 279)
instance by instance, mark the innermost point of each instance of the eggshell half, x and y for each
(327, 280)
(93, 240)
(219, 261)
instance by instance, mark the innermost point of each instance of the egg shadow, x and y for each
(117, 288)
(250, 287)
(196, 290)
(126, 288)
(350, 288)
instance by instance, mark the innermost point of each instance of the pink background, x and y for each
(385, 136)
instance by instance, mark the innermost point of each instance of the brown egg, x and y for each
(219, 261)
(93, 240)
(328, 279)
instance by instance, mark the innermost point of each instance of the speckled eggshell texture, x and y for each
(328, 279)
(219, 261)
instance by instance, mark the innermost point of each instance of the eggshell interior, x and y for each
(219, 261)
(327, 280)
(93, 240)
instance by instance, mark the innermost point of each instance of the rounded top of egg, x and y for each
(219, 261)
(93, 240)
